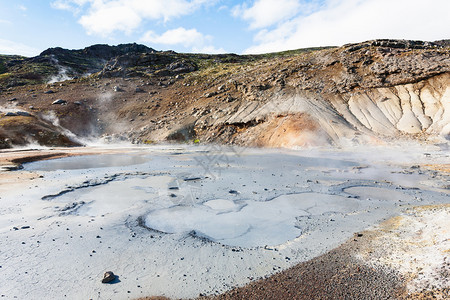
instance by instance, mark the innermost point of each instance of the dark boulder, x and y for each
(108, 277)
(59, 101)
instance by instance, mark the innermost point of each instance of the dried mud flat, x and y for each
(64, 223)
(405, 257)
(386, 262)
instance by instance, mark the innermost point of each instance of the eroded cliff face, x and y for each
(419, 108)
(373, 92)
(412, 111)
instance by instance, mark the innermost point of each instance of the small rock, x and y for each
(10, 114)
(12, 99)
(191, 178)
(49, 92)
(117, 89)
(209, 95)
(23, 113)
(108, 277)
(59, 101)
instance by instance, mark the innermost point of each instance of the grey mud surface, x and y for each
(164, 218)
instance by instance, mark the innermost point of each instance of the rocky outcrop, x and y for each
(368, 92)
(23, 129)
(298, 118)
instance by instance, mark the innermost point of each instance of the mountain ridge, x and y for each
(374, 90)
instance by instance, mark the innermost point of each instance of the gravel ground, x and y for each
(334, 275)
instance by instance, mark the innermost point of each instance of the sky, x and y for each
(28, 27)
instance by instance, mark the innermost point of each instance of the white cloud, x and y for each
(342, 21)
(103, 17)
(178, 36)
(10, 47)
(62, 5)
(209, 50)
(23, 7)
(264, 13)
(69, 5)
(106, 20)
(189, 38)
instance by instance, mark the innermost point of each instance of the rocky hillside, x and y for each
(369, 92)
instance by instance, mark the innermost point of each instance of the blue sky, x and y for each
(28, 27)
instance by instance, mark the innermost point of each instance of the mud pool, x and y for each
(181, 221)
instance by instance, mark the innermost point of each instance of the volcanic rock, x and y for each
(59, 101)
(117, 89)
(108, 277)
(23, 113)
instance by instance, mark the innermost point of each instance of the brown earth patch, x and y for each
(439, 167)
(290, 130)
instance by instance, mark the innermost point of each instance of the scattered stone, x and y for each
(23, 113)
(233, 192)
(117, 89)
(10, 114)
(211, 94)
(139, 90)
(108, 277)
(182, 66)
(191, 178)
(77, 103)
(59, 101)
(12, 99)
(49, 92)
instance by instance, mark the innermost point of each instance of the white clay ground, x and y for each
(181, 221)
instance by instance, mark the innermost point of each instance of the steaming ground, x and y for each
(180, 221)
